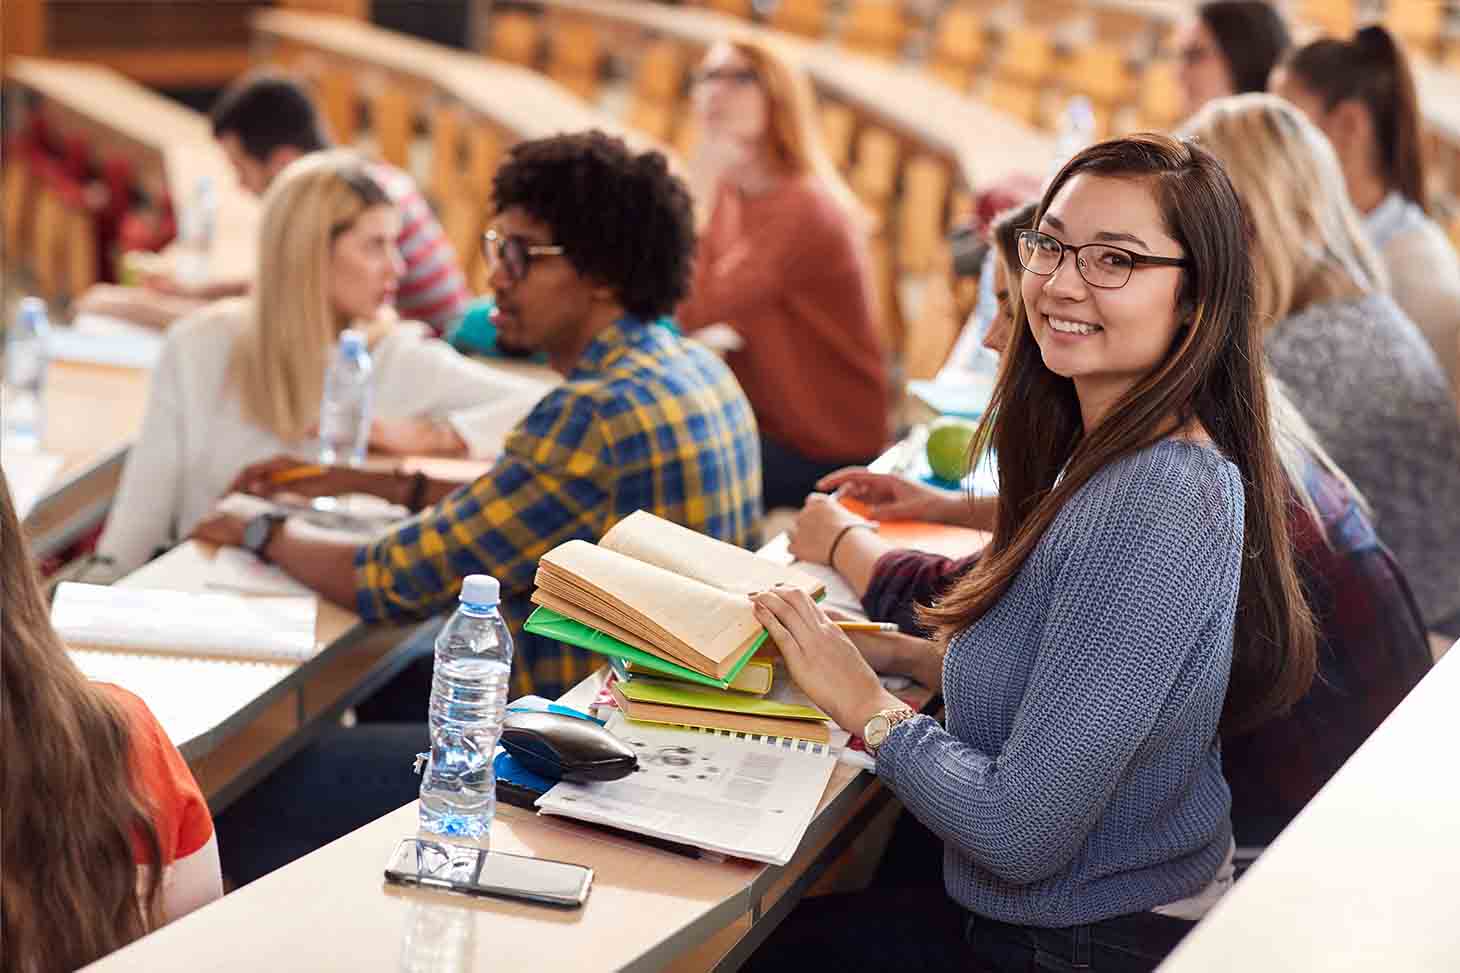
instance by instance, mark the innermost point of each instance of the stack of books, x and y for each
(670, 610)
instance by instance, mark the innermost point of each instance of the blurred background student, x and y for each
(1358, 369)
(1361, 94)
(1228, 48)
(263, 122)
(783, 262)
(242, 380)
(106, 835)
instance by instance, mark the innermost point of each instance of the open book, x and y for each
(89, 616)
(654, 591)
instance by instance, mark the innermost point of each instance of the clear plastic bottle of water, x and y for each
(344, 411)
(468, 702)
(27, 352)
(195, 234)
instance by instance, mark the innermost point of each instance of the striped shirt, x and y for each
(646, 421)
(432, 289)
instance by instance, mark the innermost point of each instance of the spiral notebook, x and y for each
(733, 793)
(89, 616)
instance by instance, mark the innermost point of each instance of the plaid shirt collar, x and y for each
(608, 345)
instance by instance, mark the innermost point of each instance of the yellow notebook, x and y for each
(756, 678)
(715, 719)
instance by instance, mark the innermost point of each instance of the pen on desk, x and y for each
(866, 626)
(295, 473)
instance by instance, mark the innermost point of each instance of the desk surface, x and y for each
(987, 145)
(522, 102)
(1367, 877)
(171, 145)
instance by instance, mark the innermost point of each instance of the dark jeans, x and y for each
(905, 920)
(786, 477)
(343, 781)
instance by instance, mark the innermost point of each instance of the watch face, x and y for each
(256, 533)
(876, 731)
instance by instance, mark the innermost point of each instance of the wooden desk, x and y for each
(985, 145)
(92, 414)
(235, 722)
(520, 102)
(170, 146)
(1365, 877)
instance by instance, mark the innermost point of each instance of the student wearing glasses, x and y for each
(783, 262)
(591, 243)
(1139, 596)
(1229, 47)
(1358, 369)
(241, 380)
(1361, 93)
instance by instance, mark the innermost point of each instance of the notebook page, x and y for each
(183, 623)
(739, 795)
(235, 569)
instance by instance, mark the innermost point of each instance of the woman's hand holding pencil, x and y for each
(305, 478)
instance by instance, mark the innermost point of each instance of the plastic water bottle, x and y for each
(468, 701)
(1076, 129)
(195, 234)
(27, 351)
(344, 411)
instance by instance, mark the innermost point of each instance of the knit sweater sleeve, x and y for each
(1137, 590)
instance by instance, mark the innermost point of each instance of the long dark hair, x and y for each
(73, 815)
(1213, 374)
(1372, 70)
(1252, 35)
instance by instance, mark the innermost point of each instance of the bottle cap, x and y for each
(352, 341)
(480, 589)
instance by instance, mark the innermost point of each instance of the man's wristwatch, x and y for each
(259, 531)
(874, 734)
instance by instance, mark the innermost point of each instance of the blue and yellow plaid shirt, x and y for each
(647, 421)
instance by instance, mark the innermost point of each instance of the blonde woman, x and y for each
(241, 380)
(783, 262)
(1358, 369)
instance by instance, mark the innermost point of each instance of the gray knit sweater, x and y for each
(1080, 776)
(1369, 385)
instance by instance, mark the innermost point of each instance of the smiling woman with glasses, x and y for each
(1139, 592)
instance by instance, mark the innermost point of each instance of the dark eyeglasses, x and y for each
(1100, 264)
(514, 254)
(731, 76)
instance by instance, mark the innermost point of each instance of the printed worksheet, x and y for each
(748, 796)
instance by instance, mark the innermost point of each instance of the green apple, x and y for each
(949, 438)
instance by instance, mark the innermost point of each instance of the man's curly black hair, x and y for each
(622, 218)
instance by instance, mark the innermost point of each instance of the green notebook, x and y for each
(549, 624)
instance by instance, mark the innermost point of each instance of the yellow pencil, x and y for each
(866, 626)
(296, 473)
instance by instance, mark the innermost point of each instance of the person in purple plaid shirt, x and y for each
(1372, 644)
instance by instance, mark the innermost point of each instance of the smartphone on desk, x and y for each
(474, 871)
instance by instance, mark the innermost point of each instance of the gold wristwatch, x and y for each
(874, 734)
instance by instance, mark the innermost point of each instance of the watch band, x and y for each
(893, 716)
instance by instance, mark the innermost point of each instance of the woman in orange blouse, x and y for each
(783, 262)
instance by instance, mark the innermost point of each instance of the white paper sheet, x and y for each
(235, 569)
(30, 475)
(739, 795)
(180, 622)
(102, 340)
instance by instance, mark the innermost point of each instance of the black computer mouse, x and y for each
(566, 748)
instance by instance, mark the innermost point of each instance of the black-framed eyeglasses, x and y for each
(514, 254)
(1100, 264)
(731, 76)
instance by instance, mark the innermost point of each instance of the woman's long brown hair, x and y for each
(1213, 374)
(73, 818)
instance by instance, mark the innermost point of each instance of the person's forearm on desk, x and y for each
(326, 567)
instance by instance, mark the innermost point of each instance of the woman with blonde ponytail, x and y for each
(241, 380)
(106, 835)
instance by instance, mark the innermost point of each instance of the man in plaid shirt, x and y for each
(591, 244)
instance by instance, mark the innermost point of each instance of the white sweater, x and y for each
(195, 438)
